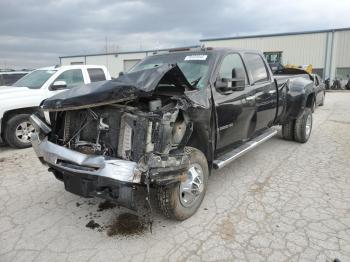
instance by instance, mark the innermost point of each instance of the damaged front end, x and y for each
(104, 140)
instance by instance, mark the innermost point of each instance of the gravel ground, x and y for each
(282, 201)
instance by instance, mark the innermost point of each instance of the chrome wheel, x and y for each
(191, 189)
(24, 132)
(308, 125)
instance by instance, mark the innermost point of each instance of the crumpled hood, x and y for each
(125, 87)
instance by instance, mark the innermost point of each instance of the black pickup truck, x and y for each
(166, 124)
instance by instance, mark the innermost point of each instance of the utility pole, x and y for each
(106, 40)
(106, 44)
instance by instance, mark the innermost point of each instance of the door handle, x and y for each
(250, 97)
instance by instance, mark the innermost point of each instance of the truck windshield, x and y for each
(194, 65)
(35, 79)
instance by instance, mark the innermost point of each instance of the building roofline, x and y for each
(277, 34)
(130, 52)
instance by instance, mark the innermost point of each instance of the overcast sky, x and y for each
(34, 33)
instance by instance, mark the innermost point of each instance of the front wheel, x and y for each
(303, 126)
(182, 200)
(18, 131)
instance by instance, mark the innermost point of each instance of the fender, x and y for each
(296, 94)
(202, 136)
(205, 135)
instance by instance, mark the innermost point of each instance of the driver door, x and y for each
(234, 109)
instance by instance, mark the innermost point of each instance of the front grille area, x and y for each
(103, 131)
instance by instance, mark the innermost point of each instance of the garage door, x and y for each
(130, 63)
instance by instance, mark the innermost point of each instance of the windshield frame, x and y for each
(19, 82)
(211, 58)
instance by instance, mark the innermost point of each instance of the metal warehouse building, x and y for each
(328, 51)
(115, 62)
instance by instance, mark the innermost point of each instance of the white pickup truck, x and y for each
(19, 101)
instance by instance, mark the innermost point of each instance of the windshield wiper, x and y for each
(194, 83)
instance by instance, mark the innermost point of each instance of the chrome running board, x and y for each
(246, 147)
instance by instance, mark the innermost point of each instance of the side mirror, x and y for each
(121, 73)
(57, 85)
(236, 83)
(238, 79)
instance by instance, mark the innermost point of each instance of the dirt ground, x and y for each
(282, 201)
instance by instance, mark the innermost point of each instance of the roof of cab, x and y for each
(215, 50)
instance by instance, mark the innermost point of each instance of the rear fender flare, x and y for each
(299, 94)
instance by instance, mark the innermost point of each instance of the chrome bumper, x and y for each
(77, 163)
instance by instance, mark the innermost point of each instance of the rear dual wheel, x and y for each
(299, 129)
(288, 130)
(303, 126)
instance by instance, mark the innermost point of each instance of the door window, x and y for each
(72, 77)
(96, 74)
(231, 61)
(257, 67)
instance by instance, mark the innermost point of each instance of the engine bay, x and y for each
(127, 131)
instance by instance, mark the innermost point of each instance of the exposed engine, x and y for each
(122, 131)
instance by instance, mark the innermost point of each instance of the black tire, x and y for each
(288, 130)
(323, 97)
(10, 131)
(301, 133)
(169, 197)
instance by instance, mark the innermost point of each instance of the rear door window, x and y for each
(72, 77)
(257, 67)
(96, 74)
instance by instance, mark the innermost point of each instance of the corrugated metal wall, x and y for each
(342, 49)
(324, 50)
(297, 49)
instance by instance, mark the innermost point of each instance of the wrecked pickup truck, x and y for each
(166, 124)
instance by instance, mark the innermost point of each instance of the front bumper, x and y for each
(103, 176)
(74, 162)
(90, 175)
